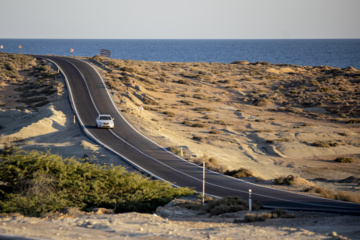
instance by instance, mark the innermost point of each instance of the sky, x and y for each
(180, 19)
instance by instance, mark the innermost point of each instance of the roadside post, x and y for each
(203, 193)
(20, 49)
(250, 203)
(141, 108)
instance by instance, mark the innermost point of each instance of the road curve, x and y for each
(89, 97)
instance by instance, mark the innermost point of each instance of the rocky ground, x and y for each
(174, 222)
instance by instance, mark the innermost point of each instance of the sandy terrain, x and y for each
(184, 102)
(173, 222)
(208, 109)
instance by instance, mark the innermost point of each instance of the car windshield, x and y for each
(105, 118)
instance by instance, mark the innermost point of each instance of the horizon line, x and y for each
(182, 38)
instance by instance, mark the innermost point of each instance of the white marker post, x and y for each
(141, 108)
(250, 207)
(203, 194)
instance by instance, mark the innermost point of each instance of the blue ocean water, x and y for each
(312, 52)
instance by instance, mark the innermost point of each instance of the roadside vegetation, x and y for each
(34, 183)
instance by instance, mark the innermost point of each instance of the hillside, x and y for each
(272, 119)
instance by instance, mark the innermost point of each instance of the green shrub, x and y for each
(344, 160)
(33, 183)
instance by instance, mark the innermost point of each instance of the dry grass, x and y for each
(210, 163)
(240, 173)
(259, 217)
(340, 195)
(228, 205)
(325, 144)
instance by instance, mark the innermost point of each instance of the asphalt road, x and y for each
(89, 97)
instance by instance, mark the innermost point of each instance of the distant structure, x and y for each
(105, 53)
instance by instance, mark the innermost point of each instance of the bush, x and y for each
(325, 144)
(343, 196)
(260, 102)
(175, 150)
(240, 173)
(187, 123)
(228, 205)
(344, 160)
(34, 183)
(215, 131)
(198, 138)
(277, 213)
(169, 114)
(199, 96)
(210, 163)
(353, 121)
(289, 180)
(204, 109)
(149, 101)
(186, 102)
(184, 81)
(199, 125)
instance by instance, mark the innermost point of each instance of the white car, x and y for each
(104, 121)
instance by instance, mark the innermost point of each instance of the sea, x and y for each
(340, 53)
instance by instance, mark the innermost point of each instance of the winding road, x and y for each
(89, 97)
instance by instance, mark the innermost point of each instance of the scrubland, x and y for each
(260, 121)
(284, 126)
